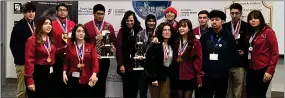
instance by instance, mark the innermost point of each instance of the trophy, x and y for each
(106, 44)
(140, 53)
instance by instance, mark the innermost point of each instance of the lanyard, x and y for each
(216, 42)
(182, 49)
(80, 52)
(63, 25)
(47, 45)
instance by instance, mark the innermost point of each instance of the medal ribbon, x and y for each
(47, 45)
(166, 52)
(31, 28)
(80, 52)
(182, 49)
(96, 28)
(64, 28)
(235, 31)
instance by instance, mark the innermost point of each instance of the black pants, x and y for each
(100, 87)
(198, 93)
(42, 81)
(216, 87)
(255, 86)
(57, 77)
(76, 90)
(134, 81)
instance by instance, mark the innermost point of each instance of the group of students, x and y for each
(62, 59)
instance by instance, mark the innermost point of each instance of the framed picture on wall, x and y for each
(48, 9)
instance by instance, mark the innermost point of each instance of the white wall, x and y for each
(278, 23)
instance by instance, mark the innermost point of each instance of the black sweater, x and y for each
(226, 51)
(21, 32)
(242, 44)
(154, 67)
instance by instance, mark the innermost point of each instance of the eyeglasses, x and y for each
(100, 14)
(62, 10)
(237, 13)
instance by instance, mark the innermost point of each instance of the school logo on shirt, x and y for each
(143, 8)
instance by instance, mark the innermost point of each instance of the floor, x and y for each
(9, 90)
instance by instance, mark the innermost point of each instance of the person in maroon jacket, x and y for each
(81, 64)
(263, 55)
(189, 59)
(39, 59)
(95, 28)
(203, 18)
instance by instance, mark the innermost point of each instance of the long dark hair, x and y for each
(39, 31)
(190, 34)
(73, 38)
(137, 25)
(256, 15)
(160, 30)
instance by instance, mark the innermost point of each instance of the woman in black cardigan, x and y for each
(160, 63)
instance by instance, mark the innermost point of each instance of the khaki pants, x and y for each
(236, 80)
(162, 90)
(21, 89)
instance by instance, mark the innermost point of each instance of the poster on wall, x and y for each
(248, 6)
(48, 9)
(17, 8)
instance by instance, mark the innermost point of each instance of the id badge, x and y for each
(214, 57)
(249, 56)
(76, 74)
(197, 36)
(50, 70)
(238, 36)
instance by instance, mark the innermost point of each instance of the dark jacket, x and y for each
(155, 68)
(242, 44)
(226, 51)
(20, 33)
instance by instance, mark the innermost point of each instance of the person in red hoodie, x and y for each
(61, 30)
(39, 59)
(263, 55)
(189, 59)
(81, 64)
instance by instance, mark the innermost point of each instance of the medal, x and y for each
(80, 65)
(48, 60)
(250, 48)
(179, 59)
(220, 45)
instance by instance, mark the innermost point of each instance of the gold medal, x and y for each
(179, 59)
(48, 60)
(80, 65)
